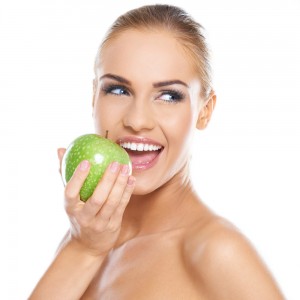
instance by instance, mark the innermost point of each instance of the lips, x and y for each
(143, 152)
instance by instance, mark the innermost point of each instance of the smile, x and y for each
(143, 153)
(140, 147)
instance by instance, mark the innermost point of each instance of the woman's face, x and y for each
(147, 95)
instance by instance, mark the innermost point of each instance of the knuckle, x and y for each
(113, 226)
(127, 192)
(110, 177)
(125, 198)
(122, 180)
(68, 210)
(83, 223)
(69, 193)
(94, 201)
(79, 176)
(105, 215)
(111, 205)
(98, 227)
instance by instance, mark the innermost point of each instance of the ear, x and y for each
(206, 111)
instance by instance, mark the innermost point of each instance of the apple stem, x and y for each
(106, 134)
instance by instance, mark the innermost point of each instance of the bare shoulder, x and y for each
(225, 265)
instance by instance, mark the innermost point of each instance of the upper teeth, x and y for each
(140, 146)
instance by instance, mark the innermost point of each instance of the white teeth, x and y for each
(133, 146)
(140, 146)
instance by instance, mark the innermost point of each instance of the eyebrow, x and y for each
(155, 85)
(116, 77)
(169, 82)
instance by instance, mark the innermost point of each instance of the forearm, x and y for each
(64, 241)
(69, 275)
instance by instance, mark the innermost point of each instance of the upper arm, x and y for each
(227, 267)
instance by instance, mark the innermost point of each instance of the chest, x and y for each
(144, 269)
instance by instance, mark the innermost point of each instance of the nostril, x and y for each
(139, 117)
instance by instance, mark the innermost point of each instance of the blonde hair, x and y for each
(176, 21)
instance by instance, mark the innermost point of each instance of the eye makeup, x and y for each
(115, 89)
(171, 96)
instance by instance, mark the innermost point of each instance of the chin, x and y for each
(143, 188)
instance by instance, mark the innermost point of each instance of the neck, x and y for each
(162, 210)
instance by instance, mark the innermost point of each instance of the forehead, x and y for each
(146, 54)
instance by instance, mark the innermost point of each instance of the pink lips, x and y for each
(144, 152)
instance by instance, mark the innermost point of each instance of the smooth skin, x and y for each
(148, 235)
(94, 229)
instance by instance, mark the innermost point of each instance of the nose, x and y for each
(139, 116)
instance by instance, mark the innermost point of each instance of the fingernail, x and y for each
(125, 170)
(84, 165)
(114, 167)
(131, 180)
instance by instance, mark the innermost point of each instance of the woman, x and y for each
(148, 235)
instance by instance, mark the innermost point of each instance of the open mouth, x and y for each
(142, 155)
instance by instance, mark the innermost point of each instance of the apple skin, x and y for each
(100, 152)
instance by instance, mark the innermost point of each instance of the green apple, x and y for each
(100, 152)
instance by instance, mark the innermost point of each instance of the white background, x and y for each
(245, 165)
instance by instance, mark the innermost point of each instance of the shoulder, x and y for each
(222, 261)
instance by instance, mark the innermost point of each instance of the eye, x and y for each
(118, 90)
(171, 96)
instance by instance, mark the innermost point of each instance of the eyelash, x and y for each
(176, 95)
(109, 88)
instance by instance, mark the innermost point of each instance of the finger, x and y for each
(74, 185)
(117, 216)
(60, 154)
(102, 190)
(115, 196)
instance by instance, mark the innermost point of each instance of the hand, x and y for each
(96, 223)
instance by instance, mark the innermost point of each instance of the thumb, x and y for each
(60, 154)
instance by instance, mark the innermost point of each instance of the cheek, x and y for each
(100, 119)
(106, 115)
(179, 130)
(179, 127)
